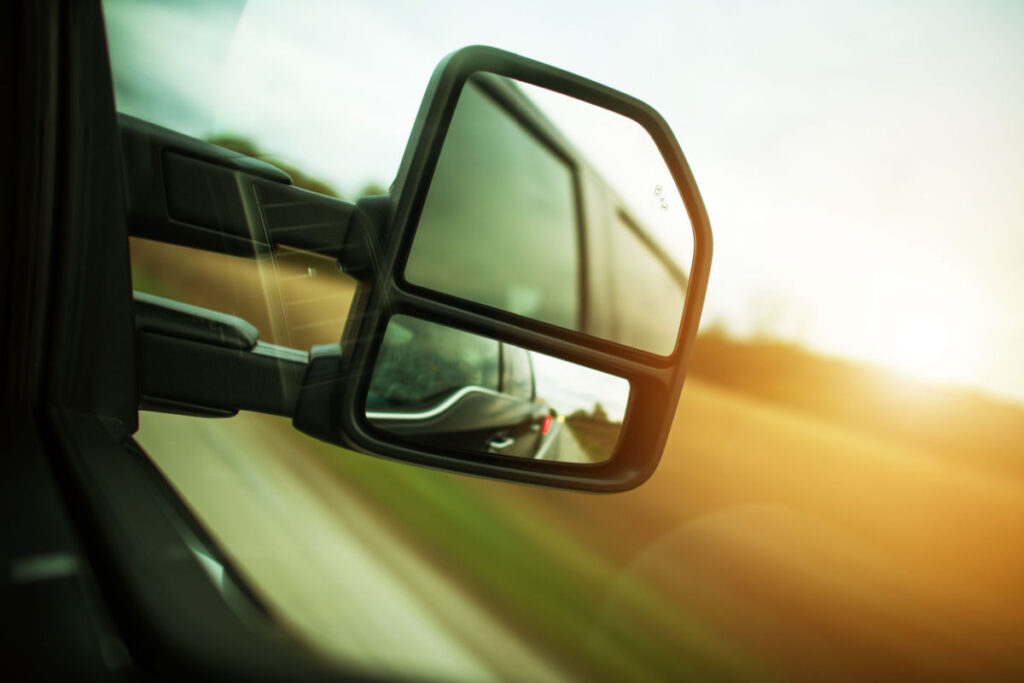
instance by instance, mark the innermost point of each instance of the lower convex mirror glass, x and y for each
(439, 386)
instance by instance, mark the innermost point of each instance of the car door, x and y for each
(108, 571)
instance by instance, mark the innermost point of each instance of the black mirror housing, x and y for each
(332, 403)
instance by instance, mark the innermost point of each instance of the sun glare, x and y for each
(927, 327)
(924, 348)
(923, 335)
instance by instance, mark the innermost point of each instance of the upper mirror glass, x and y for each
(558, 210)
(438, 385)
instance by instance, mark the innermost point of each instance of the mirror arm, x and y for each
(316, 410)
(367, 237)
(189, 192)
(195, 361)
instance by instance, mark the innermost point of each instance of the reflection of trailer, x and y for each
(631, 289)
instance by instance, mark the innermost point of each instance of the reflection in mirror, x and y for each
(440, 386)
(558, 210)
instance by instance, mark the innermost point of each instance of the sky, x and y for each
(570, 387)
(862, 163)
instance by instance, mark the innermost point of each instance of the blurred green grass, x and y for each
(534, 574)
(919, 480)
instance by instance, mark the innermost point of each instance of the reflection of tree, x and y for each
(870, 399)
(596, 434)
(372, 188)
(597, 415)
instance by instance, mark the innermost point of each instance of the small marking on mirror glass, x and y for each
(662, 202)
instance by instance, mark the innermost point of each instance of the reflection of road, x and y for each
(328, 568)
(565, 447)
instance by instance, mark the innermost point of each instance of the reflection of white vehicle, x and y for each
(509, 214)
(458, 390)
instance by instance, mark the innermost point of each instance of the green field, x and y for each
(810, 518)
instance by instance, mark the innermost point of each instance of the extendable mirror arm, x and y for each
(185, 191)
(199, 362)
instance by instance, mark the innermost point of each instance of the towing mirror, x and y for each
(541, 213)
(537, 214)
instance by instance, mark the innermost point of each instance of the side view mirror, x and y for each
(542, 225)
(528, 292)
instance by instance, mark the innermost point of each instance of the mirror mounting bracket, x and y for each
(196, 194)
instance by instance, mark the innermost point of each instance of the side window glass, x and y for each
(517, 372)
(421, 363)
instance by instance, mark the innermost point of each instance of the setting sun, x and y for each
(923, 346)
(920, 337)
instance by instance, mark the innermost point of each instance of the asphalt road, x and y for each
(331, 571)
(568, 448)
(771, 543)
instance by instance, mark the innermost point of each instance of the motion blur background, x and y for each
(843, 490)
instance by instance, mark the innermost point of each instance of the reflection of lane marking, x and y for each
(570, 450)
(556, 432)
(436, 410)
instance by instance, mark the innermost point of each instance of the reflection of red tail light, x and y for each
(547, 424)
